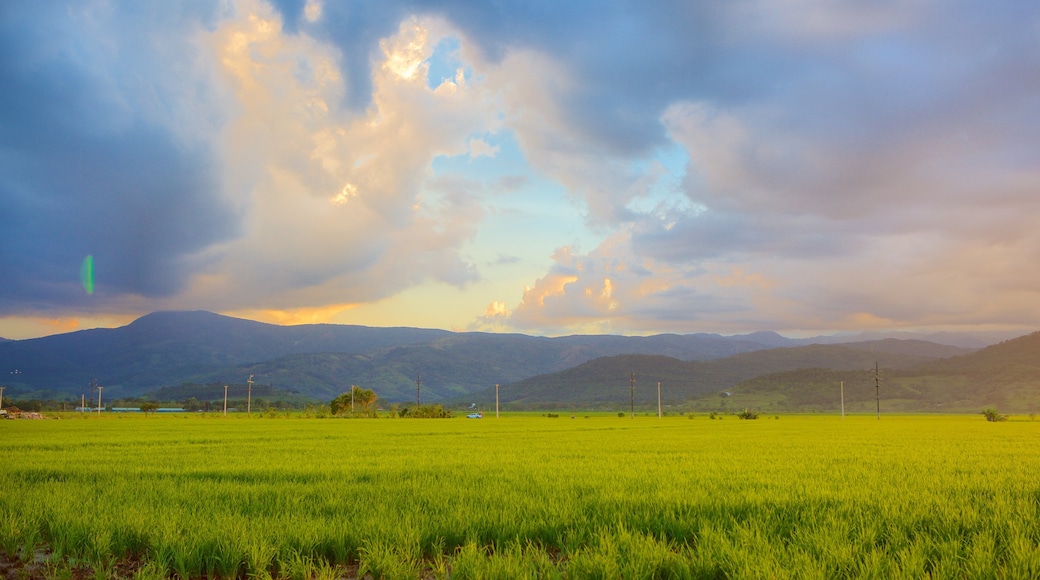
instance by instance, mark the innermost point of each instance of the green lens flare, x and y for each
(86, 274)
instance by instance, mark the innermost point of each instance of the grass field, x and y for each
(524, 495)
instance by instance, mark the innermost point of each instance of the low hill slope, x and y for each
(910, 347)
(392, 374)
(1019, 357)
(1005, 375)
(606, 381)
(454, 366)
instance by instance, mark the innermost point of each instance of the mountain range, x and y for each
(171, 350)
(608, 380)
(905, 375)
(319, 360)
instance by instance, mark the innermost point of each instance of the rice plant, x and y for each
(303, 499)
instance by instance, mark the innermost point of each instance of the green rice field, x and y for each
(184, 496)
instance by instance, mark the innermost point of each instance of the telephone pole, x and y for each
(93, 387)
(418, 389)
(658, 399)
(496, 400)
(877, 389)
(99, 387)
(225, 400)
(249, 398)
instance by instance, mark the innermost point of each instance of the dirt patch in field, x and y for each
(26, 415)
(41, 568)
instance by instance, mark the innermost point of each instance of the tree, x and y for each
(426, 412)
(356, 402)
(149, 407)
(748, 414)
(993, 416)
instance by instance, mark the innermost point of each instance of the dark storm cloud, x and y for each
(89, 163)
(628, 60)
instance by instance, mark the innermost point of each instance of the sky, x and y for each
(543, 167)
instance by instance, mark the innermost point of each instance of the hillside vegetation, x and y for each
(176, 352)
(318, 360)
(1005, 375)
(607, 381)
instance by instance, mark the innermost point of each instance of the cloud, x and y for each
(885, 181)
(353, 189)
(233, 178)
(845, 163)
(480, 148)
(612, 289)
(102, 153)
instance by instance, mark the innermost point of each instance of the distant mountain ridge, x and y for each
(916, 376)
(170, 348)
(321, 360)
(608, 379)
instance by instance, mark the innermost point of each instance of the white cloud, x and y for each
(333, 203)
(312, 10)
(480, 148)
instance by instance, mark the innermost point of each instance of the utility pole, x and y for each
(658, 399)
(496, 400)
(2, 396)
(93, 387)
(843, 399)
(82, 403)
(877, 389)
(249, 398)
(418, 389)
(352, 400)
(225, 400)
(632, 382)
(99, 387)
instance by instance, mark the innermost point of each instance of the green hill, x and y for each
(1005, 375)
(605, 382)
(910, 347)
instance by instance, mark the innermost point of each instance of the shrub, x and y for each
(435, 411)
(993, 416)
(748, 414)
